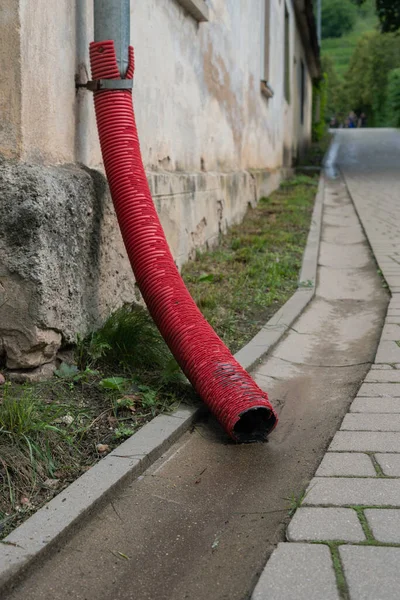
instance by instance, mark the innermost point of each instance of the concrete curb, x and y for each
(51, 524)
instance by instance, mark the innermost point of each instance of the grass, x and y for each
(341, 49)
(34, 443)
(52, 432)
(255, 268)
(129, 342)
(295, 501)
(339, 572)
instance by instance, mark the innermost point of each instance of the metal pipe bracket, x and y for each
(98, 85)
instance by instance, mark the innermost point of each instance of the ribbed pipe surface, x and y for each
(237, 402)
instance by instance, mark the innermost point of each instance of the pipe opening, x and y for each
(254, 425)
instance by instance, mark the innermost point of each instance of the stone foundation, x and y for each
(63, 266)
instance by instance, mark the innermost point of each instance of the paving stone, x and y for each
(391, 390)
(389, 463)
(371, 422)
(343, 491)
(365, 441)
(298, 572)
(392, 320)
(325, 524)
(388, 352)
(394, 302)
(386, 376)
(385, 524)
(375, 405)
(390, 332)
(381, 367)
(346, 463)
(372, 573)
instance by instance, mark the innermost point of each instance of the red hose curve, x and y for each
(237, 402)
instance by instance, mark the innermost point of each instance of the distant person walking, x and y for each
(352, 120)
(362, 121)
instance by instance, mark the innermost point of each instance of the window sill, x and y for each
(197, 8)
(266, 89)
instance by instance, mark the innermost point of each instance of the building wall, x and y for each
(212, 144)
(10, 80)
(197, 86)
(301, 131)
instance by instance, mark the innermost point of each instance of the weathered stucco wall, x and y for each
(10, 79)
(211, 143)
(301, 131)
(197, 86)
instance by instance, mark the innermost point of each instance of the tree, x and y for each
(366, 80)
(393, 99)
(333, 103)
(388, 12)
(338, 17)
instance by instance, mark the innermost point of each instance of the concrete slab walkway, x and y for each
(344, 540)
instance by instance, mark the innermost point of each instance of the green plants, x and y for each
(393, 98)
(339, 571)
(116, 384)
(295, 501)
(320, 99)
(338, 17)
(388, 12)
(123, 432)
(366, 81)
(35, 440)
(129, 342)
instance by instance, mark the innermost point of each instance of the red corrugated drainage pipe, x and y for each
(238, 403)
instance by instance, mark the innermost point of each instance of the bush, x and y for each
(338, 17)
(366, 81)
(320, 96)
(334, 101)
(393, 98)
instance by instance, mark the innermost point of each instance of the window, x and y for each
(302, 91)
(197, 8)
(265, 45)
(287, 56)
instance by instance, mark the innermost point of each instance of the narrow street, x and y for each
(202, 521)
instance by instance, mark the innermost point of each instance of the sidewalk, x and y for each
(344, 540)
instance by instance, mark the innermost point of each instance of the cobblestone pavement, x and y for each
(344, 539)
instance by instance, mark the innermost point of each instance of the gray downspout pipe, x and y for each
(112, 22)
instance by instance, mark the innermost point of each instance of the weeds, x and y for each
(129, 342)
(295, 501)
(32, 447)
